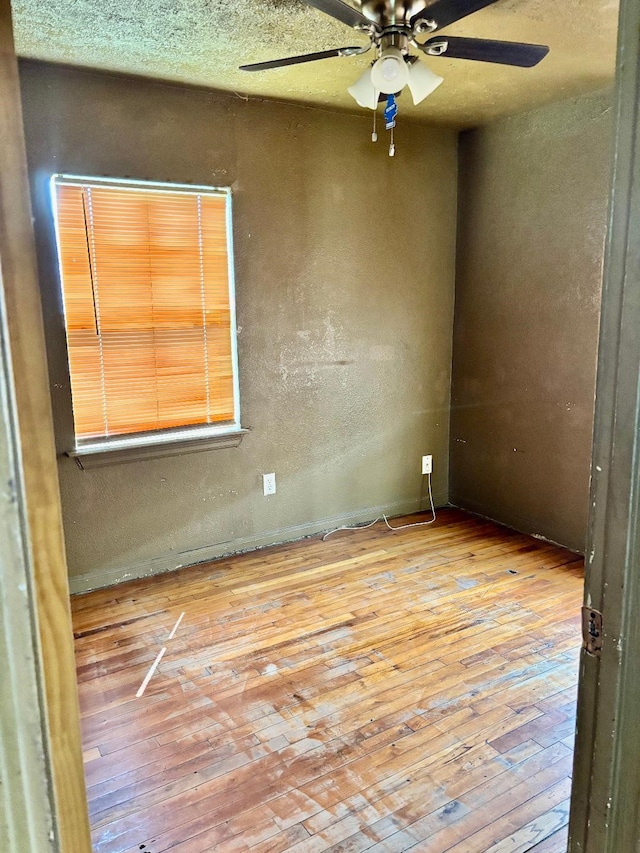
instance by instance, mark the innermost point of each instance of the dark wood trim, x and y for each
(607, 771)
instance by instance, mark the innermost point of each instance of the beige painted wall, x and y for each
(533, 209)
(344, 277)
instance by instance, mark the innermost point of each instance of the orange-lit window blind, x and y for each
(146, 288)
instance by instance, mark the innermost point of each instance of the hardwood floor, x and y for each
(379, 691)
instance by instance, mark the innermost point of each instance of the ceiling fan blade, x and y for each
(445, 12)
(487, 50)
(342, 12)
(305, 57)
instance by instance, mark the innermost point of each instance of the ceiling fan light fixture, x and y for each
(390, 73)
(422, 81)
(364, 92)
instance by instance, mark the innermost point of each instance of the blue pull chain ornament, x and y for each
(390, 113)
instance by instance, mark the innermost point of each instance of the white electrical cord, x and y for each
(386, 520)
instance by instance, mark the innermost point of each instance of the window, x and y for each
(146, 272)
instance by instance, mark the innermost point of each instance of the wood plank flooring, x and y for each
(380, 691)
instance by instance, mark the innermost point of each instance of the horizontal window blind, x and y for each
(145, 280)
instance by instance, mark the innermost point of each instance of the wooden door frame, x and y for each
(43, 794)
(606, 781)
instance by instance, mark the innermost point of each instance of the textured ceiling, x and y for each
(203, 41)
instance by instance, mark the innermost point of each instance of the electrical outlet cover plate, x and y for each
(427, 464)
(269, 484)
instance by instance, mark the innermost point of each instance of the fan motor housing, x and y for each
(387, 13)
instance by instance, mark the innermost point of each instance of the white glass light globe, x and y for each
(422, 81)
(364, 92)
(391, 68)
(390, 73)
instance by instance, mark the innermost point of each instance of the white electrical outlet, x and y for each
(269, 484)
(427, 464)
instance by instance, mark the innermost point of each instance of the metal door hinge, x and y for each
(592, 631)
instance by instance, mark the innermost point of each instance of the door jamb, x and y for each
(43, 792)
(606, 780)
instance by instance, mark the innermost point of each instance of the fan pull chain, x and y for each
(374, 134)
(392, 146)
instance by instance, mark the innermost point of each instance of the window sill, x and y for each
(112, 452)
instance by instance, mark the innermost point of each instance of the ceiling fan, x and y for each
(393, 27)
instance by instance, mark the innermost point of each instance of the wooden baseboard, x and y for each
(171, 562)
(522, 525)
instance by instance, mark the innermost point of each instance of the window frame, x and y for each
(174, 440)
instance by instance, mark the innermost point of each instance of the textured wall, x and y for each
(532, 219)
(344, 278)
